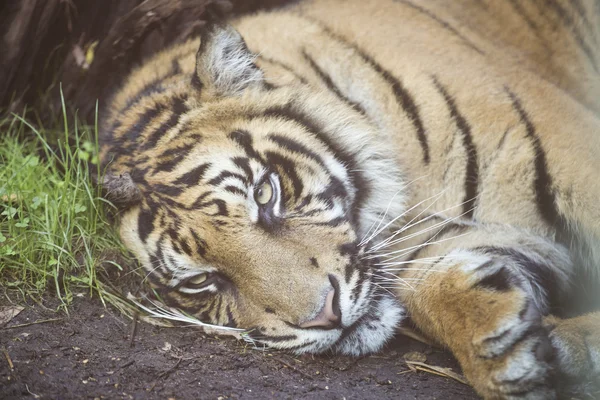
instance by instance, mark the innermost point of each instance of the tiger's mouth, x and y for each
(369, 316)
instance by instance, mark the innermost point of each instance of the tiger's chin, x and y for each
(371, 331)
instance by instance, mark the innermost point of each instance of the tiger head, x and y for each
(253, 205)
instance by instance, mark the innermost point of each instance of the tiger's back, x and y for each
(448, 148)
(495, 115)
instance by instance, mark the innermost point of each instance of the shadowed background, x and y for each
(89, 46)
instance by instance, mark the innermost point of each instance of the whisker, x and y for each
(422, 231)
(384, 288)
(434, 260)
(379, 230)
(382, 217)
(409, 224)
(416, 269)
(407, 250)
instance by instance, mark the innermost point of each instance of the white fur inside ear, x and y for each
(228, 62)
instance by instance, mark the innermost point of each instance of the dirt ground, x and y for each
(89, 355)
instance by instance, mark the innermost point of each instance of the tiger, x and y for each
(325, 173)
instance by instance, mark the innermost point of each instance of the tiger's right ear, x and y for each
(121, 190)
(224, 65)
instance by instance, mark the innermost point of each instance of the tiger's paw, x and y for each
(576, 342)
(515, 360)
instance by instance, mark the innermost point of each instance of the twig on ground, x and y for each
(433, 369)
(133, 330)
(10, 363)
(31, 323)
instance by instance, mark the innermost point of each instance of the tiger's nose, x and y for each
(330, 315)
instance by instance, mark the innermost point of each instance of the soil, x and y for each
(89, 354)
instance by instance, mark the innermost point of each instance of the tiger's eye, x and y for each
(198, 279)
(264, 193)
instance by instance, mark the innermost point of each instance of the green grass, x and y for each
(54, 231)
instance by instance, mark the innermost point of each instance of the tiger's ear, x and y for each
(224, 65)
(121, 190)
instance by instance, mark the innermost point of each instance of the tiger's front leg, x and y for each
(482, 292)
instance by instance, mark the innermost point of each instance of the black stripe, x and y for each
(500, 280)
(348, 249)
(221, 208)
(235, 190)
(200, 243)
(153, 88)
(186, 247)
(289, 113)
(244, 164)
(169, 165)
(145, 223)
(205, 314)
(177, 108)
(295, 147)
(196, 83)
(186, 148)
(330, 85)
(172, 233)
(288, 167)
(349, 271)
(226, 174)
(543, 181)
(472, 169)
(170, 203)
(542, 274)
(134, 131)
(231, 322)
(443, 23)
(244, 139)
(335, 189)
(158, 262)
(403, 97)
(362, 278)
(199, 202)
(168, 190)
(193, 177)
(218, 310)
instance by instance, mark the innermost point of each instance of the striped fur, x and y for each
(435, 158)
